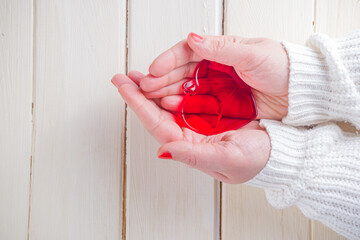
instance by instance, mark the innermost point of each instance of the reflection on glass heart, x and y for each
(216, 100)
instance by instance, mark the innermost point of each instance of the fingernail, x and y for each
(195, 37)
(165, 155)
(115, 81)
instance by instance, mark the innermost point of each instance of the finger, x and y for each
(173, 89)
(205, 104)
(176, 56)
(151, 83)
(172, 103)
(228, 50)
(120, 79)
(157, 122)
(178, 89)
(136, 76)
(202, 156)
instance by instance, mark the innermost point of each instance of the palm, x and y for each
(233, 156)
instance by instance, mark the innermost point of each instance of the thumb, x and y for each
(203, 156)
(228, 50)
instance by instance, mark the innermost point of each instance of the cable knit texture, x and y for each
(318, 168)
(324, 80)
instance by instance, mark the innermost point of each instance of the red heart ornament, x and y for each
(216, 100)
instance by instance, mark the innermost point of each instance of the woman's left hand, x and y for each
(232, 157)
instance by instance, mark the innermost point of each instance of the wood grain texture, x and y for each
(246, 214)
(15, 116)
(78, 138)
(77, 162)
(245, 211)
(278, 19)
(166, 200)
(335, 18)
(321, 232)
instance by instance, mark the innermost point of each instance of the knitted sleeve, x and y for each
(316, 169)
(324, 81)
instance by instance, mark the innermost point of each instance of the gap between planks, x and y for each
(124, 160)
(220, 183)
(33, 112)
(219, 194)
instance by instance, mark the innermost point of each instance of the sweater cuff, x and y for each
(324, 80)
(309, 88)
(287, 171)
(317, 170)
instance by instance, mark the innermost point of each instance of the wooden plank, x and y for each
(335, 18)
(278, 19)
(79, 128)
(15, 116)
(245, 211)
(246, 214)
(321, 232)
(165, 199)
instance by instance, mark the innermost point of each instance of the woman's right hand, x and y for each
(261, 63)
(232, 157)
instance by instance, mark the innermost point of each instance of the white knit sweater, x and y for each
(317, 167)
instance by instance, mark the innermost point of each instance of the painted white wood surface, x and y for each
(334, 18)
(15, 116)
(78, 140)
(277, 19)
(79, 120)
(246, 213)
(165, 199)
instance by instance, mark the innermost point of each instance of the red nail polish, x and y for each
(195, 37)
(165, 155)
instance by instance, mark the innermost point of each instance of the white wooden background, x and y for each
(75, 163)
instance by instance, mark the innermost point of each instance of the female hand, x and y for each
(231, 157)
(261, 63)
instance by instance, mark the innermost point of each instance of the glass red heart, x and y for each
(216, 100)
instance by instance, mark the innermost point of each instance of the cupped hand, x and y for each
(261, 63)
(232, 157)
